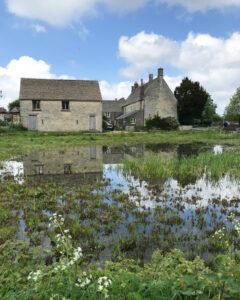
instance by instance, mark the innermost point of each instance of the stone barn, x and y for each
(60, 105)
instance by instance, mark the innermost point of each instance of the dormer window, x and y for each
(65, 105)
(36, 105)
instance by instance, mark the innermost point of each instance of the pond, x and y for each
(110, 212)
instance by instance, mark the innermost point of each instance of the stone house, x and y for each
(113, 109)
(147, 100)
(60, 105)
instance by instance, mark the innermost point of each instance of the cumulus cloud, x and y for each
(60, 13)
(24, 66)
(215, 62)
(202, 5)
(111, 91)
(29, 67)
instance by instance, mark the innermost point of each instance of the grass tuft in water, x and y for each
(185, 169)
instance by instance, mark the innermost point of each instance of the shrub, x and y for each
(157, 122)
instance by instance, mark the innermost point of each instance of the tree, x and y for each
(209, 113)
(192, 99)
(232, 111)
(13, 104)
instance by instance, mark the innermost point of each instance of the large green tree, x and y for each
(232, 111)
(209, 113)
(13, 104)
(192, 99)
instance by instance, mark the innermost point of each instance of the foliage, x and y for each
(14, 104)
(169, 276)
(209, 114)
(192, 99)
(232, 112)
(185, 169)
(157, 122)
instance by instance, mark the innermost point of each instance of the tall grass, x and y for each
(214, 166)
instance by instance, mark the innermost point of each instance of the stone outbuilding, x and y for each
(147, 100)
(60, 105)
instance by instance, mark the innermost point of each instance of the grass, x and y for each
(185, 169)
(15, 143)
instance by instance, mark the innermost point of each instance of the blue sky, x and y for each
(118, 42)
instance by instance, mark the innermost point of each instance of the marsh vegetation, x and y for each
(164, 215)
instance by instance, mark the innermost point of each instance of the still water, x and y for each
(161, 215)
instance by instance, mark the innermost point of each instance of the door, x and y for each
(92, 123)
(32, 122)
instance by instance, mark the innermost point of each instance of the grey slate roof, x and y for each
(59, 89)
(113, 106)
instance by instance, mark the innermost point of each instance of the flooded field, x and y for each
(111, 212)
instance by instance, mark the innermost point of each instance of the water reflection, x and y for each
(86, 164)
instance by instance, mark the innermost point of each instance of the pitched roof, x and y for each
(2, 110)
(59, 89)
(156, 86)
(15, 110)
(113, 105)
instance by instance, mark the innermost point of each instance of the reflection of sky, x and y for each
(12, 168)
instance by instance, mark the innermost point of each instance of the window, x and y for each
(65, 105)
(107, 115)
(67, 169)
(133, 121)
(39, 169)
(93, 153)
(36, 105)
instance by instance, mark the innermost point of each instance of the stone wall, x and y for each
(132, 107)
(160, 100)
(52, 118)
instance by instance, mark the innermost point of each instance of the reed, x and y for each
(213, 166)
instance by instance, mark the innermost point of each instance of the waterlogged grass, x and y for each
(169, 276)
(16, 143)
(185, 169)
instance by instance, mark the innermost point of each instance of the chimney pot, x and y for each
(160, 72)
(150, 77)
(141, 82)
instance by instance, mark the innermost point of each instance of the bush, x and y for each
(157, 122)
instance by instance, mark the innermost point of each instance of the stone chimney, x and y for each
(160, 73)
(150, 77)
(136, 85)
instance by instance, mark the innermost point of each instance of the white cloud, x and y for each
(27, 67)
(115, 90)
(203, 5)
(214, 62)
(60, 13)
(38, 28)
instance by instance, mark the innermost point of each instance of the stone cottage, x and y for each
(60, 105)
(147, 100)
(113, 109)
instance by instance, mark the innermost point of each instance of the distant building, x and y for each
(3, 113)
(14, 114)
(60, 105)
(113, 109)
(147, 100)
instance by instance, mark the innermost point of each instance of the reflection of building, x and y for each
(78, 164)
